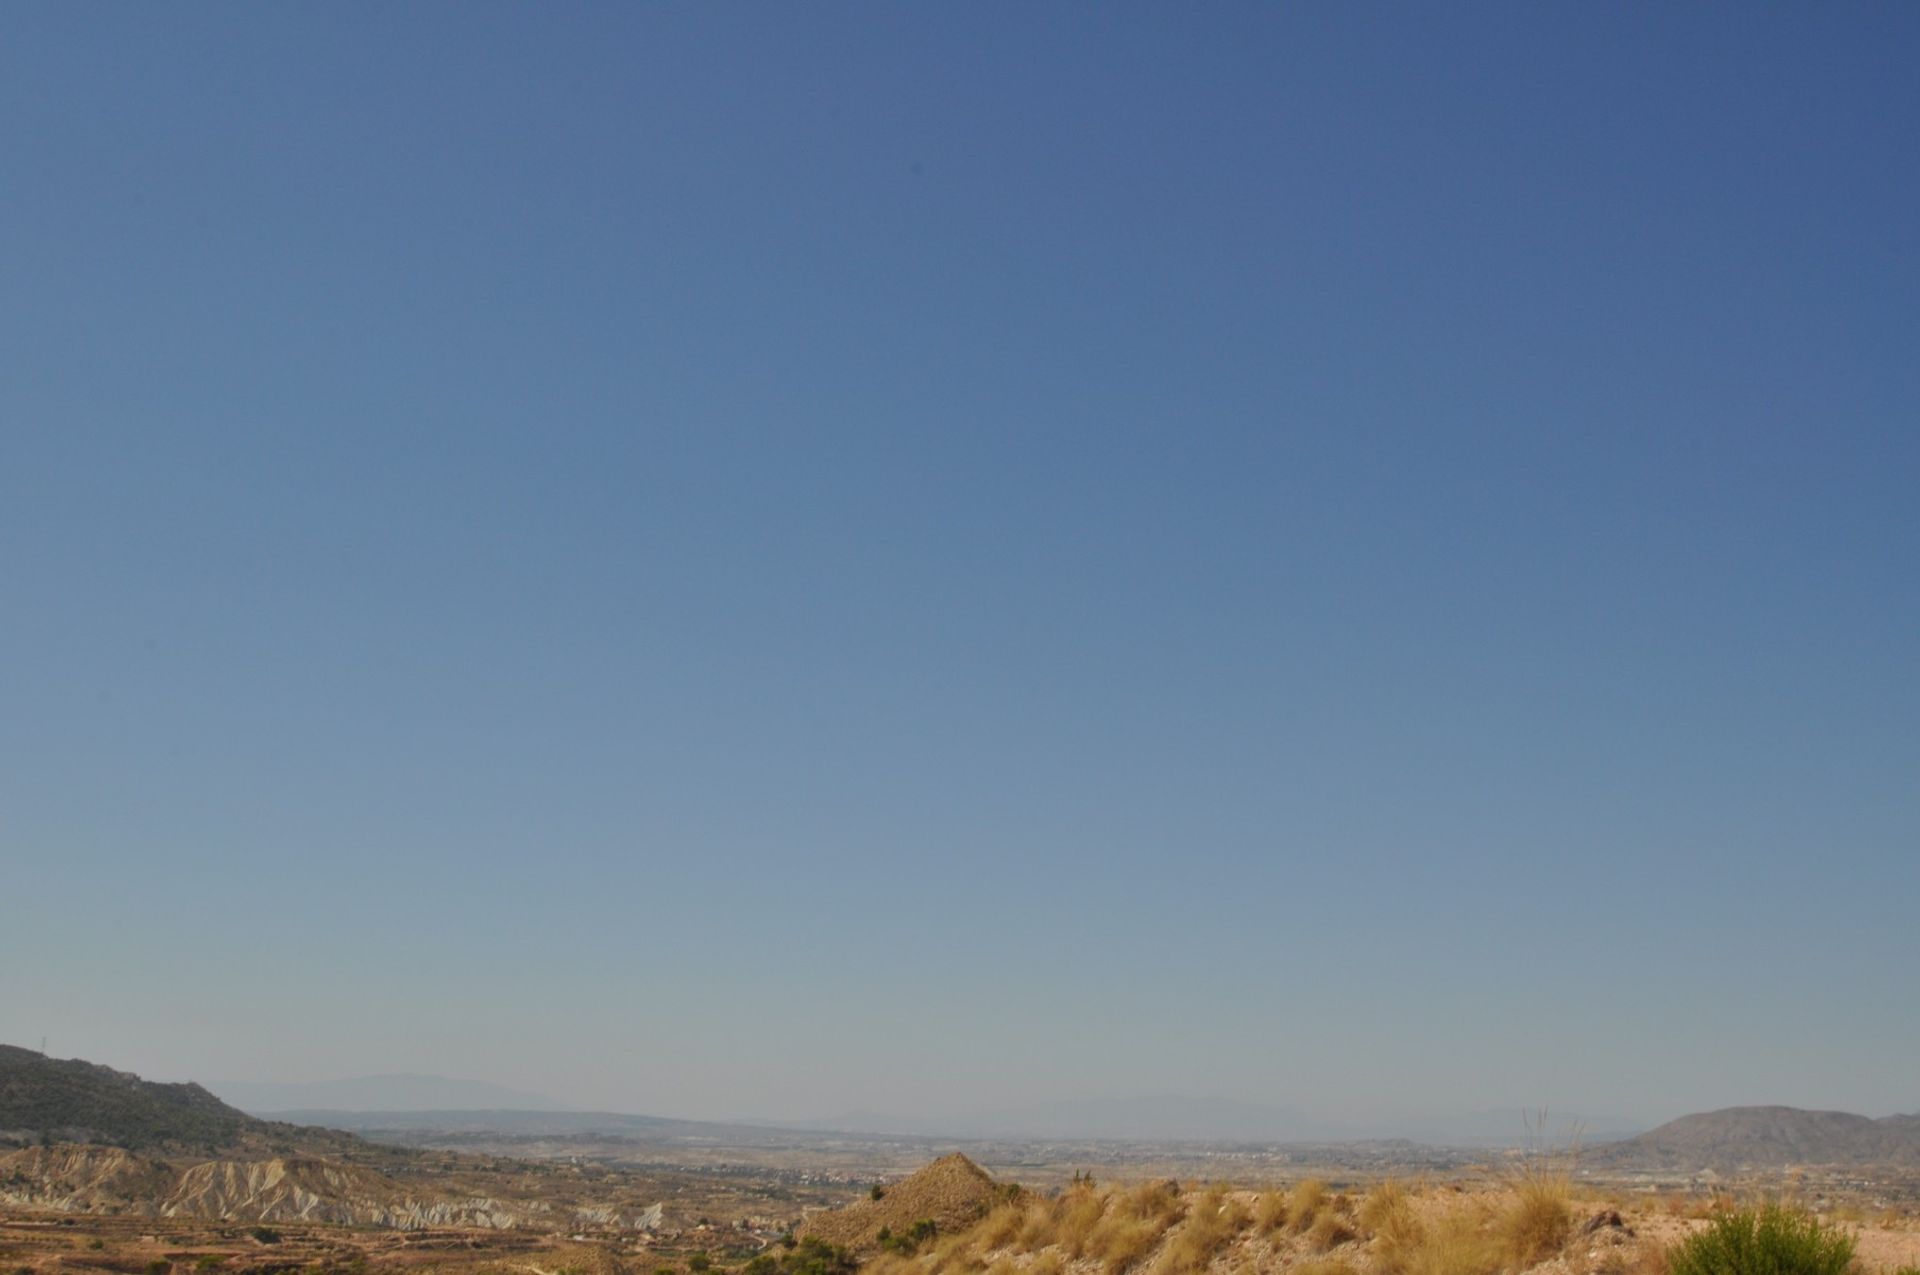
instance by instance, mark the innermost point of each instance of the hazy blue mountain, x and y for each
(1139, 1118)
(377, 1093)
(1183, 1118)
(1767, 1137)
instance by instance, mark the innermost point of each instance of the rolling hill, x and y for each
(69, 1100)
(1764, 1137)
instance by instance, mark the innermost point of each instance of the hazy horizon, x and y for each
(731, 561)
(428, 1092)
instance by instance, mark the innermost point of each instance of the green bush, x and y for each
(1771, 1240)
(817, 1257)
(909, 1243)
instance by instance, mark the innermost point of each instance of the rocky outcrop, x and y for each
(92, 1179)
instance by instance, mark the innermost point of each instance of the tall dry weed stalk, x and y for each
(1538, 1220)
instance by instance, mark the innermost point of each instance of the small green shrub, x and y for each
(911, 1241)
(699, 1263)
(817, 1257)
(1771, 1240)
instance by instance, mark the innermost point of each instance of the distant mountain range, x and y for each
(425, 1127)
(401, 1092)
(1181, 1118)
(1144, 1118)
(1764, 1138)
(46, 1100)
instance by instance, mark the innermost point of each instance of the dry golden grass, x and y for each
(1003, 1225)
(1159, 1201)
(1077, 1219)
(1041, 1220)
(1535, 1224)
(956, 1255)
(1048, 1263)
(1124, 1242)
(1305, 1203)
(1644, 1258)
(1214, 1221)
(1388, 1214)
(1457, 1244)
(1330, 1230)
(1321, 1266)
(1270, 1212)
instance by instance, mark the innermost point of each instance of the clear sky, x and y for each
(764, 559)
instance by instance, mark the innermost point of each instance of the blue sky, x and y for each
(763, 560)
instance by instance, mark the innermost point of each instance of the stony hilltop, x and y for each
(952, 1193)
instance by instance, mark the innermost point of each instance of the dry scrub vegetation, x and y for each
(1161, 1228)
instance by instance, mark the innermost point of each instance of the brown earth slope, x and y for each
(953, 1192)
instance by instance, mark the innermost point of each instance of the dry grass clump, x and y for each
(1330, 1230)
(1321, 1266)
(1048, 1263)
(955, 1255)
(1157, 1201)
(1644, 1258)
(1124, 1242)
(1076, 1219)
(1003, 1225)
(1305, 1203)
(1119, 1229)
(1215, 1221)
(1458, 1244)
(1270, 1212)
(1536, 1223)
(1387, 1213)
(1042, 1219)
(1135, 1224)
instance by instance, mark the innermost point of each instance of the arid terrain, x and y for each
(953, 1219)
(101, 1171)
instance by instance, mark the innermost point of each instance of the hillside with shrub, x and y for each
(69, 1100)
